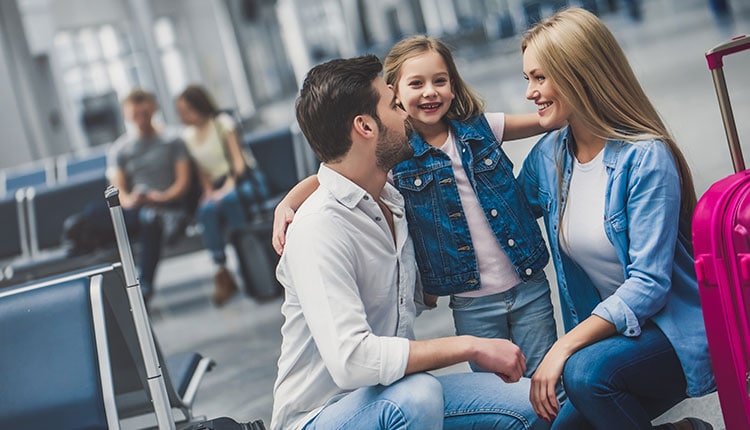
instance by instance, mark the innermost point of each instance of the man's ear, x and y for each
(363, 125)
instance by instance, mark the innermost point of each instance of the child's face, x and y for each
(424, 89)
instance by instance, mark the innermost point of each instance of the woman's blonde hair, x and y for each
(582, 58)
(466, 103)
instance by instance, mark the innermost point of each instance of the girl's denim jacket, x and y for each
(445, 253)
(641, 219)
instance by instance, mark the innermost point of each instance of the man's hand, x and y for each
(500, 356)
(282, 217)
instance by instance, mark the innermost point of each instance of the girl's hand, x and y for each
(282, 217)
(547, 375)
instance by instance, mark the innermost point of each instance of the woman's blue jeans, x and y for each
(522, 315)
(214, 216)
(422, 401)
(621, 382)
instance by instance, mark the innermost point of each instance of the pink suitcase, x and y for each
(721, 240)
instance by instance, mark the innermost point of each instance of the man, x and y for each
(348, 358)
(152, 172)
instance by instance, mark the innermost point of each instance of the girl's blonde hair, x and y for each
(589, 69)
(466, 103)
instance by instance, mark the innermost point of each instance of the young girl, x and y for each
(213, 145)
(617, 199)
(474, 234)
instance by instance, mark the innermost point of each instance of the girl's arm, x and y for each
(284, 212)
(521, 126)
(547, 375)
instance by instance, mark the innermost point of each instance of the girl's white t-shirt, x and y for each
(496, 271)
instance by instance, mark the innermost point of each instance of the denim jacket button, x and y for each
(529, 271)
(512, 242)
(366, 197)
(493, 212)
(417, 182)
(377, 218)
(487, 162)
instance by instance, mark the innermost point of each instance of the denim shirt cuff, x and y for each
(614, 310)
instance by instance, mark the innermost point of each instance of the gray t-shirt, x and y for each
(148, 164)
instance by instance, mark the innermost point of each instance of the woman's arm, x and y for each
(284, 212)
(521, 126)
(234, 149)
(547, 375)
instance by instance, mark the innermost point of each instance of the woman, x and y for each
(635, 344)
(213, 145)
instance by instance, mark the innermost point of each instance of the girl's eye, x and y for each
(539, 78)
(441, 81)
(415, 83)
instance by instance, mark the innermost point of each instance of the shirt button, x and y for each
(487, 162)
(512, 242)
(367, 197)
(377, 218)
(529, 271)
(417, 182)
(631, 331)
(493, 212)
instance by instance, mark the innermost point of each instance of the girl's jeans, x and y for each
(522, 315)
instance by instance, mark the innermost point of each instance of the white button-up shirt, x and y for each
(349, 308)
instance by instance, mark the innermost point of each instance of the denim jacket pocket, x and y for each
(414, 181)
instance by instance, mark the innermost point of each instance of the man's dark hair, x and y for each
(139, 95)
(333, 94)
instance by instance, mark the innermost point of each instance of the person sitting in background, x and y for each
(152, 171)
(212, 142)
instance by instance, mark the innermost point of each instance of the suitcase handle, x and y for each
(154, 379)
(715, 58)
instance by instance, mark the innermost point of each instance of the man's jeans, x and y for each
(522, 315)
(621, 382)
(422, 401)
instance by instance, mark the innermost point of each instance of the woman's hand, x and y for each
(547, 375)
(282, 217)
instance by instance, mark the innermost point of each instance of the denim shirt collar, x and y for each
(612, 149)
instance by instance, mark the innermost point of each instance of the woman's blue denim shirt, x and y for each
(641, 213)
(445, 253)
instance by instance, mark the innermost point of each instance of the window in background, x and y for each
(170, 51)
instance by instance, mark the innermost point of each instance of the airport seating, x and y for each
(13, 230)
(72, 166)
(282, 155)
(52, 373)
(48, 207)
(72, 359)
(38, 174)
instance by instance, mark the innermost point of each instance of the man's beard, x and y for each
(392, 149)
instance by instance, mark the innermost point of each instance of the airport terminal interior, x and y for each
(66, 66)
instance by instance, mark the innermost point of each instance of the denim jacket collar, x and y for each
(464, 132)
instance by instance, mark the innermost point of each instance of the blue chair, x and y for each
(15, 237)
(47, 208)
(54, 372)
(39, 174)
(71, 358)
(72, 166)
